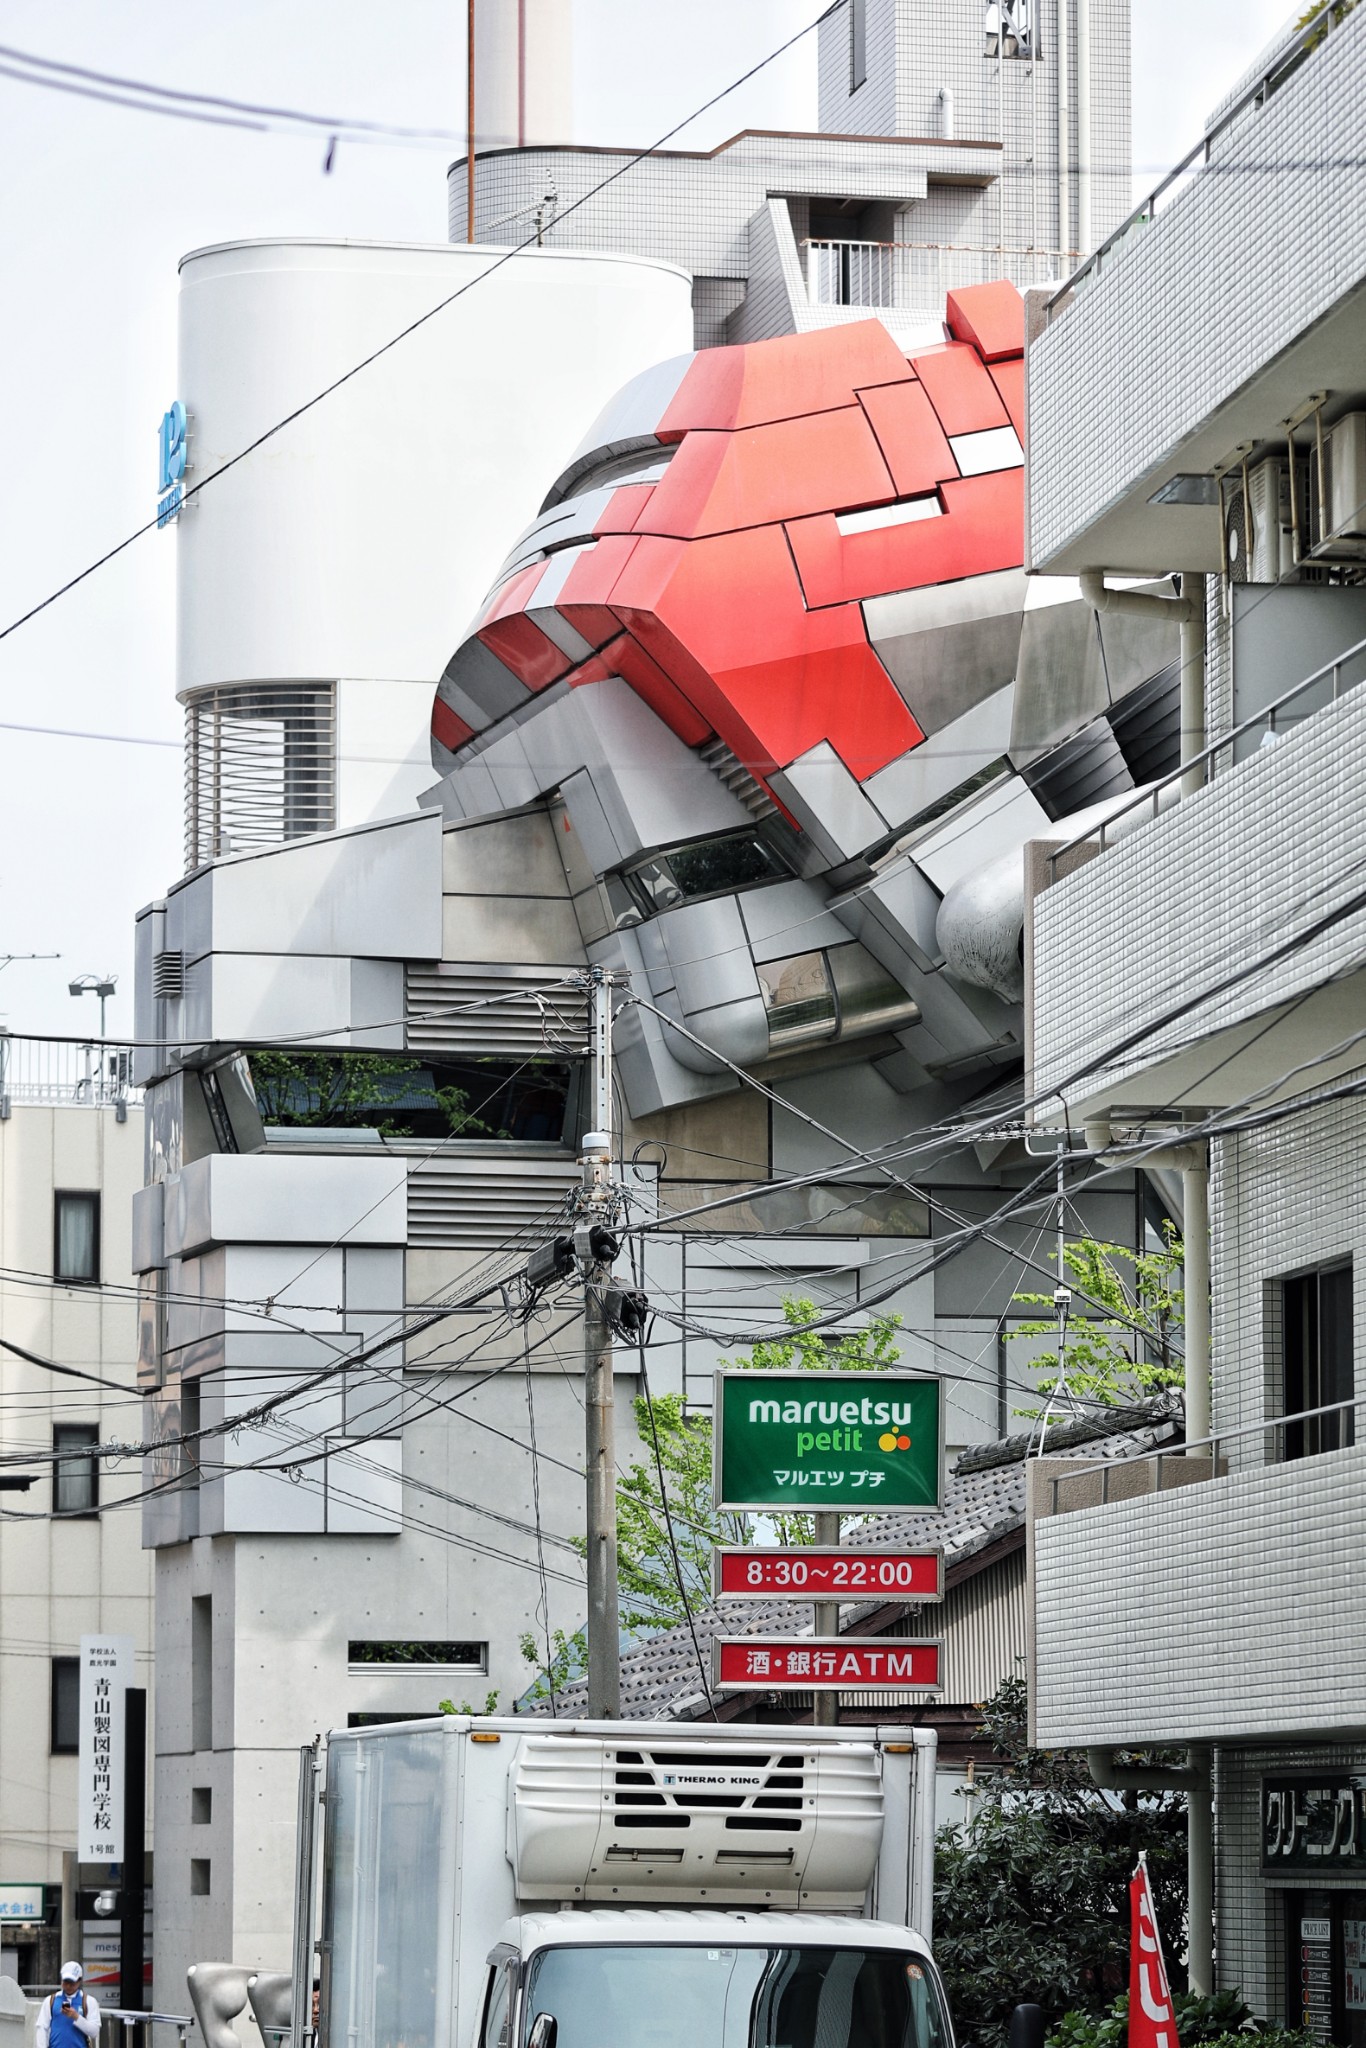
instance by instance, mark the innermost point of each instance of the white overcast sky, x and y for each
(98, 205)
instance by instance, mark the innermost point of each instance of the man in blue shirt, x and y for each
(69, 2018)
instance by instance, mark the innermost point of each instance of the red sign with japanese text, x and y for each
(809, 1572)
(1152, 2018)
(825, 1664)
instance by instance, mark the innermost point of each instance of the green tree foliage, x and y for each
(649, 1583)
(1219, 2021)
(1130, 1346)
(490, 1706)
(1031, 1896)
(568, 1661)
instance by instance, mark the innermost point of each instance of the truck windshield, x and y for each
(694, 1997)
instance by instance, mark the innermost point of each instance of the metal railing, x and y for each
(1287, 59)
(260, 766)
(1211, 1443)
(92, 1076)
(1332, 671)
(182, 2022)
(905, 274)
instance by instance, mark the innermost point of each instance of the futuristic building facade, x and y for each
(759, 711)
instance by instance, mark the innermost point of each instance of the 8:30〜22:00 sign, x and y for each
(812, 1572)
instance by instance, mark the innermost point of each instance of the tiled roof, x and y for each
(984, 1501)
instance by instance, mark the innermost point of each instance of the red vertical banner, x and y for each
(1152, 2020)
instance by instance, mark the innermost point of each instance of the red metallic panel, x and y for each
(664, 698)
(512, 595)
(960, 390)
(521, 646)
(719, 482)
(825, 1663)
(911, 438)
(596, 669)
(586, 589)
(983, 529)
(724, 619)
(1009, 379)
(990, 316)
(451, 731)
(623, 508)
(782, 379)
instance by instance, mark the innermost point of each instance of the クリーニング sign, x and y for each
(860, 1442)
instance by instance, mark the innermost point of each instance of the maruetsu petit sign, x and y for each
(856, 1441)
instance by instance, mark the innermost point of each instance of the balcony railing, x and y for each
(91, 1076)
(1334, 1436)
(1329, 682)
(905, 274)
(1287, 60)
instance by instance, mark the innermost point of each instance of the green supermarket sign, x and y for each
(853, 1441)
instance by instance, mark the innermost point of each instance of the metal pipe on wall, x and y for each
(1195, 1188)
(1084, 234)
(1200, 1876)
(1193, 680)
(1064, 135)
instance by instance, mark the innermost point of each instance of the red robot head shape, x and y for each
(716, 544)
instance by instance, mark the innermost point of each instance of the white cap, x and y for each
(72, 1973)
(596, 1144)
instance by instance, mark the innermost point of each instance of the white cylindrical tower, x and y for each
(324, 579)
(522, 85)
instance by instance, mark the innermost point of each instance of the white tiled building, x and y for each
(1208, 968)
(71, 1561)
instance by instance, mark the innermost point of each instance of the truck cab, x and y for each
(690, 1978)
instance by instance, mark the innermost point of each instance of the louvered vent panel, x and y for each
(737, 779)
(465, 1011)
(487, 1202)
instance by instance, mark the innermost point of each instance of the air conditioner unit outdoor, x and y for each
(1259, 529)
(1347, 479)
(672, 1821)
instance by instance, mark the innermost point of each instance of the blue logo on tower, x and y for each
(173, 465)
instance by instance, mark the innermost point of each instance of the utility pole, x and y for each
(469, 121)
(826, 1615)
(596, 1248)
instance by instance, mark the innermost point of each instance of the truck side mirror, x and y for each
(1026, 2027)
(545, 2027)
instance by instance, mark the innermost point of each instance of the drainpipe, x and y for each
(946, 113)
(1195, 1781)
(1064, 141)
(1084, 236)
(1189, 612)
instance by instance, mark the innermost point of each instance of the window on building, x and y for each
(858, 43)
(1009, 28)
(201, 1674)
(65, 1737)
(76, 1235)
(450, 1656)
(1325, 1979)
(76, 1470)
(1316, 1351)
(200, 1885)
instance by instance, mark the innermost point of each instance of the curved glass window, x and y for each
(703, 867)
(676, 1997)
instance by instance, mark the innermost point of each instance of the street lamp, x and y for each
(101, 985)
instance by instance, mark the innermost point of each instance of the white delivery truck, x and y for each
(520, 1883)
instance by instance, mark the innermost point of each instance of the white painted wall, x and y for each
(358, 542)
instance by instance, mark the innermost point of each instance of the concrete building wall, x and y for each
(60, 1579)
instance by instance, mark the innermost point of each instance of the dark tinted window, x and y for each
(66, 1706)
(704, 867)
(1316, 1336)
(407, 1098)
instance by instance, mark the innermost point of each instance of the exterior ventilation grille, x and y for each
(260, 767)
(485, 1202)
(591, 1819)
(517, 1013)
(737, 779)
(168, 976)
